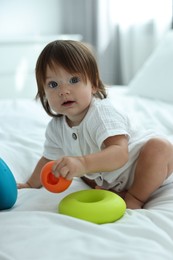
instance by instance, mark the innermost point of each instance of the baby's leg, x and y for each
(93, 185)
(154, 165)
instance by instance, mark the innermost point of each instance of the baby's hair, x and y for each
(74, 57)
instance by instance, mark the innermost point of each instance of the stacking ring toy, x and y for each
(8, 187)
(52, 183)
(97, 206)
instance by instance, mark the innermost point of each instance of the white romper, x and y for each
(101, 121)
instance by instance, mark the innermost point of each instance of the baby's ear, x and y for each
(94, 90)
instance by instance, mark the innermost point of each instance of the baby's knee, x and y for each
(158, 147)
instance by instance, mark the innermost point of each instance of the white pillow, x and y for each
(155, 78)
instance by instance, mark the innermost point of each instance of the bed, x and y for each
(32, 228)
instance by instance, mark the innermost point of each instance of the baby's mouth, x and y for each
(68, 103)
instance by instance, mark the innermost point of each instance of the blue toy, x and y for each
(8, 187)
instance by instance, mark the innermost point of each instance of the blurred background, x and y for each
(122, 32)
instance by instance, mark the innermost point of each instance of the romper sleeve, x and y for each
(52, 145)
(106, 121)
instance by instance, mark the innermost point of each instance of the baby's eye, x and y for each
(74, 80)
(53, 84)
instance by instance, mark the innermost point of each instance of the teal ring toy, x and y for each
(8, 187)
(97, 206)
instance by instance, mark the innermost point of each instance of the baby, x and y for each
(87, 136)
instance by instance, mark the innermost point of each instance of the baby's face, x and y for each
(68, 94)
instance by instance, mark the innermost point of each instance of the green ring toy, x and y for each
(97, 206)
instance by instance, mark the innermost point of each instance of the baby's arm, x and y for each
(34, 180)
(112, 157)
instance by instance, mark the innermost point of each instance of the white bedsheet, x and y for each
(33, 229)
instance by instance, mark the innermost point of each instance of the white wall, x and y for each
(26, 26)
(29, 17)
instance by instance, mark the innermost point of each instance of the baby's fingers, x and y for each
(64, 171)
(23, 186)
(57, 168)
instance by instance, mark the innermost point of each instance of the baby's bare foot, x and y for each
(133, 202)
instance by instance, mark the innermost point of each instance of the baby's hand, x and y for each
(23, 186)
(69, 167)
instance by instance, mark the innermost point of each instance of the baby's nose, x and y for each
(63, 89)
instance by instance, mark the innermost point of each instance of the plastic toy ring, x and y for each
(8, 187)
(97, 206)
(52, 183)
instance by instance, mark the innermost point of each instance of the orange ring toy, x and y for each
(52, 183)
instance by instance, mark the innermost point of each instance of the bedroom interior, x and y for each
(134, 47)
